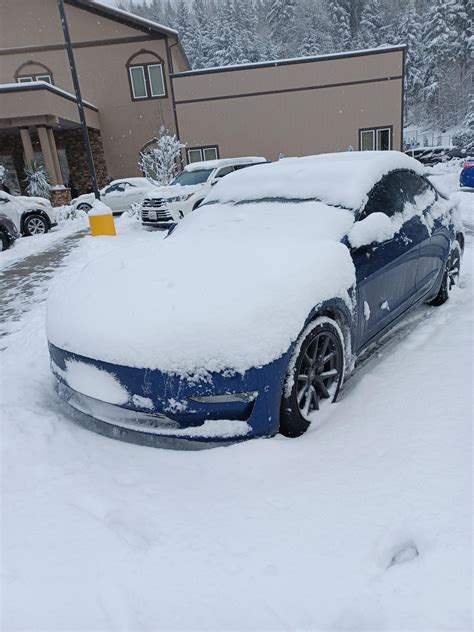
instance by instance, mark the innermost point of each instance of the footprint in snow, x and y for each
(404, 553)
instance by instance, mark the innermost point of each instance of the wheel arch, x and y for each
(338, 311)
(31, 212)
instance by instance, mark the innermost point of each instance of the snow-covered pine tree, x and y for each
(437, 41)
(183, 23)
(37, 180)
(159, 162)
(282, 20)
(340, 24)
(228, 40)
(311, 43)
(371, 27)
(409, 33)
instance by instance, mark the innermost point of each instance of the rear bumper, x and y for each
(161, 410)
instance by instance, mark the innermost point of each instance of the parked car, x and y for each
(255, 308)
(466, 178)
(119, 195)
(430, 156)
(9, 230)
(163, 206)
(36, 214)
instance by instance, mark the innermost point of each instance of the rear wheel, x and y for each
(314, 377)
(35, 224)
(84, 207)
(450, 277)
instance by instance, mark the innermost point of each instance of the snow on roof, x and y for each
(127, 15)
(221, 162)
(294, 60)
(339, 179)
(37, 85)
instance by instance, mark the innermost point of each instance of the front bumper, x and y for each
(161, 410)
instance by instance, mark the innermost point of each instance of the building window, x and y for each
(377, 138)
(147, 81)
(34, 77)
(198, 154)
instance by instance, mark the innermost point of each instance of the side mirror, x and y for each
(214, 181)
(374, 229)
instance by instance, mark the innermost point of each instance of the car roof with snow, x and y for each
(340, 179)
(222, 162)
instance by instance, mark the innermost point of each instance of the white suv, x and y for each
(163, 206)
(32, 215)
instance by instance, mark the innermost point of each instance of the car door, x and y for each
(434, 247)
(113, 196)
(386, 272)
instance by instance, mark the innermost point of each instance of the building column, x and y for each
(54, 150)
(27, 145)
(47, 154)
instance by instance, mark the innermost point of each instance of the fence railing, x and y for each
(426, 139)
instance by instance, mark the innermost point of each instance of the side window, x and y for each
(115, 188)
(387, 196)
(418, 191)
(224, 172)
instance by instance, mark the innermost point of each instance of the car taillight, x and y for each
(468, 165)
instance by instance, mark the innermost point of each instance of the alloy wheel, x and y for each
(318, 372)
(36, 226)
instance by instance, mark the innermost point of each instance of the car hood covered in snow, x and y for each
(231, 288)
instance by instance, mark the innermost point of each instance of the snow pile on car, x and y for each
(342, 179)
(231, 288)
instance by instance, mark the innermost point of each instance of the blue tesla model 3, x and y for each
(258, 303)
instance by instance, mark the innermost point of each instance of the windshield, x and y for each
(198, 176)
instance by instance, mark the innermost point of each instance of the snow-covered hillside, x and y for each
(364, 523)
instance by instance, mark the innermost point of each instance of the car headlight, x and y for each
(227, 398)
(180, 198)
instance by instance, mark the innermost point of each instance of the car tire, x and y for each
(84, 207)
(314, 376)
(450, 276)
(4, 241)
(35, 224)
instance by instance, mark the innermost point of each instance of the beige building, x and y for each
(135, 77)
(298, 107)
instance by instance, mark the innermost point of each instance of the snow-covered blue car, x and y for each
(466, 178)
(246, 319)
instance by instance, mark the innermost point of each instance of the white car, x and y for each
(119, 195)
(163, 206)
(31, 215)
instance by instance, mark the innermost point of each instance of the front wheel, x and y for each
(314, 377)
(450, 277)
(84, 207)
(35, 225)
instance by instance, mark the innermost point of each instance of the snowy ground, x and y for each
(362, 524)
(26, 246)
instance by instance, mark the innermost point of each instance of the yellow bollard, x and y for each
(101, 220)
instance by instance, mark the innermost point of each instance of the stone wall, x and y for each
(71, 141)
(60, 197)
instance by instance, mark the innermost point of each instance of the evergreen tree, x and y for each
(371, 28)
(282, 21)
(340, 24)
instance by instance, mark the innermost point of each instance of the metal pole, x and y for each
(80, 104)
